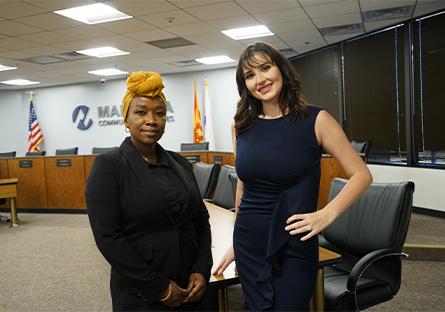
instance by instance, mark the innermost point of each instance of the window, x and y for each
(429, 95)
(374, 94)
(320, 72)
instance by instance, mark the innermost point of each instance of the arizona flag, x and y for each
(34, 134)
(208, 120)
(197, 126)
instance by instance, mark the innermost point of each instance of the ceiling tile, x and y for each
(305, 3)
(368, 5)
(150, 35)
(281, 16)
(426, 6)
(13, 9)
(170, 18)
(209, 37)
(233, 22)
(126, 25)
(47, 37)
(217, 11)
(301, 36)
(336, 20)
(334, 39)
(84, 32)
(11, 28)
(138, 7)
(49, 21)
(75, 45)
(15, 44)
(190, 29)
(258, 6)
(54, 5)
(333, 8)
(194, 3)
(300, 25)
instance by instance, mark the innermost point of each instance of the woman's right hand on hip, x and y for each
(228, 258)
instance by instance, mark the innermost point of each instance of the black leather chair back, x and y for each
(233, 178)
(224, 194)
(362, 147)
(206, 176)
(31, 154)
(100, 150)
(372, 231)
(8, 154)
(204, 146)
(67, 151)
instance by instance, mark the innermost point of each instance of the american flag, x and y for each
(34, 134)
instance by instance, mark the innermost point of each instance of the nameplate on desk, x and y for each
(193, 158)
(25, 163)
(217, 159)
(63, 162)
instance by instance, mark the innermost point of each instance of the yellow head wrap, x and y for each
(143, 84)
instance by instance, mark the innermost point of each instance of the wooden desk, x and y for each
(8, 190)
(221, 222)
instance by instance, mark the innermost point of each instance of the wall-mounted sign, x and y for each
(80, 115)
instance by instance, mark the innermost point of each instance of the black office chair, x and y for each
(362, 147)
(8, 154)
(204, 146)
(369, 236)
(224, 194)
(32, 154)
(67, 151)
(233, 178)
(206, 176)
(100, 150)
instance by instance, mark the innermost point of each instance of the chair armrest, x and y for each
(361, 266)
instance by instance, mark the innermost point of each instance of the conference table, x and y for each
(222, 221)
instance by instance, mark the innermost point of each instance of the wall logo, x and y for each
(83, 123)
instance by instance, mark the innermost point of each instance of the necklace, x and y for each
(151, 160)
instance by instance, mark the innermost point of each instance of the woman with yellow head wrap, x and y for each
(146, 211)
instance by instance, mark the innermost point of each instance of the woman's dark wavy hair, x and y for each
(291, 99)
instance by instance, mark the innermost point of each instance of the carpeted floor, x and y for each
(51, 263)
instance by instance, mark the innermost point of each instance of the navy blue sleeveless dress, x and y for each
(279, 164)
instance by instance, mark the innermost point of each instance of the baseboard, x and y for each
(429, 212)
(420, 252)
(45, 210)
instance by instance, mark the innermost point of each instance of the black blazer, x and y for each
(136, 233)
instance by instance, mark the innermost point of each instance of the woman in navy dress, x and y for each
(279, 140)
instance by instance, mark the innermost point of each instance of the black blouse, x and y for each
(173, 190)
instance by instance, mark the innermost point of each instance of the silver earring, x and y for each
(127, 130)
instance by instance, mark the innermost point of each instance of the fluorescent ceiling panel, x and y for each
(4, 67)
(220, 59)
(248, 32)
(19, 82)
(103, 52)
(93, 14)
(107, 72)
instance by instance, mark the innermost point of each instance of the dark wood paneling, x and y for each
(4, 175)
(195, 156)
(330, 169)
(65, 184)
(4, 169)
(222, 158)
(31, 187)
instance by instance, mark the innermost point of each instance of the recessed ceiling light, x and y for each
(215, 60)
(93, 13)
(248, 32)
(107, 72)
(4, 67)
(19, 82)
(103, 52)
